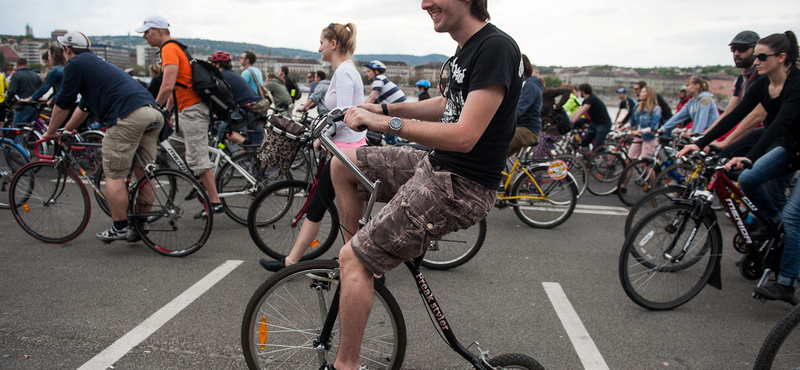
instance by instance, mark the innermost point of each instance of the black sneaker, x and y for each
(777, 292)
(273, 266)
(216, 209)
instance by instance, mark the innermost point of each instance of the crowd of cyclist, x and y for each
(760, 124)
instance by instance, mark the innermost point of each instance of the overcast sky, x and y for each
(567, 33)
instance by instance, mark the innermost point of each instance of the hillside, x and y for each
(208, 46)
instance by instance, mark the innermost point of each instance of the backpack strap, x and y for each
(188, 56)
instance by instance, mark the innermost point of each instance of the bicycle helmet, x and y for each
(376, 65)
(423, 83)
(220, 56)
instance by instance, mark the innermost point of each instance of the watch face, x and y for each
(395, 123)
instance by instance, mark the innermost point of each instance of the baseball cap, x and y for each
(745, 38)
(74, 39)
(622, 91)
(683, 88)
(153, 22)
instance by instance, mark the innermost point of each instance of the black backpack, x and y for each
(208, 83)
(561, 119)
(294, 91)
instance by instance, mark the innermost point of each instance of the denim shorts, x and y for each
(425, 202)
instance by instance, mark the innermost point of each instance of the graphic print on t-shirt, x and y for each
(455, 98)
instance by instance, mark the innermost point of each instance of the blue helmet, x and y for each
(376, 65)
(423, 83)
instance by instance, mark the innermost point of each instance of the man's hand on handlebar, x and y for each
(52, 135)
(373, 108)
(360, 119)
(688, 148)
(738, 163)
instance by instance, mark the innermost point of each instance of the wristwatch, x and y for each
(395, 124)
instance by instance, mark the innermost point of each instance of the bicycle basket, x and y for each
(282, 140)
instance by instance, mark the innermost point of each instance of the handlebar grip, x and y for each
(714, 148)
(362, 128)
(36, 149)
(747, 164)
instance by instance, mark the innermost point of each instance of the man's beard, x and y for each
(745, 63)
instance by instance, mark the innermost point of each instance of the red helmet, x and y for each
(220, 56)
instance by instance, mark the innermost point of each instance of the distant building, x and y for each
(722, 85)
(146, 55)
(428, 71)
(28, 31)
(9, 54)
(57, 33)
(115, 55)
(30, 50)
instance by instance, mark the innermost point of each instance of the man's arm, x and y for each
(581, 111)
(167, 84)
(427, 110)
(373, 95)
(460, 136)
(745, 127)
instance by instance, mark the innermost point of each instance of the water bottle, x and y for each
(94, 126)
(750, 222)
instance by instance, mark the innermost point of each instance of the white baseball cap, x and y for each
(75, 39)
(153, 22)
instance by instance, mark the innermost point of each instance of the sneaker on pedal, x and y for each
(216, 209)
(112, 234)
(777, 292)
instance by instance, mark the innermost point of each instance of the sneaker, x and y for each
(111, 235)
(273, 266)
(134, 236)
(215, 209)
(777, 292)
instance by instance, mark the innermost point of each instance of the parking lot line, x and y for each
(124, 344)
(583, 343)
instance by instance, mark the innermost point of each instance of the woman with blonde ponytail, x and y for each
(701, 110)
(337, 43)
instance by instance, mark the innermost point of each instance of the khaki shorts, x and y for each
(122, 140)
(424, 202)
(193, 122)
(646, 149)
(522, 138)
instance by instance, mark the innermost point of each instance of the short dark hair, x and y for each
(321, 75)
(585, 88)
(641, 84)
(250, 56)
(224, 65)
(7, 67)
(479, 8)
(285, 70)
(22, 62)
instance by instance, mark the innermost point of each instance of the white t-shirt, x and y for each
(346, 90)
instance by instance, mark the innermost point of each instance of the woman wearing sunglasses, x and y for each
(777, 153)
(701, 109)
(337, 43)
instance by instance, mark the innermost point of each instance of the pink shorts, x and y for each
(346, 145)
(646, 149)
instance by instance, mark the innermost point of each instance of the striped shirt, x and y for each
(388, 92)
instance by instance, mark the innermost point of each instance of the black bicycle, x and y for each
(291, 322)
(781, 348)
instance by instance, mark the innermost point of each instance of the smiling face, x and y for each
(446, 14)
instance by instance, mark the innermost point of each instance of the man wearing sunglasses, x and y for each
(470, 128)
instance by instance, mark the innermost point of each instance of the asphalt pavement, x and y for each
(63, 306)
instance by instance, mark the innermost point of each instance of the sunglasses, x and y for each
(740, 48)
(335, 36)
(763, 56)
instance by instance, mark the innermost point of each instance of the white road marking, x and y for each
(584, 346)
(584, 208)
(123, 345)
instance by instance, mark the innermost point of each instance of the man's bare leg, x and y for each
(207, 179)
(345, 184)
(355, 305)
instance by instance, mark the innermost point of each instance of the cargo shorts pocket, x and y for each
(400, 235)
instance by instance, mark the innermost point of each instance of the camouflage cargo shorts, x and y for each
(424, 202)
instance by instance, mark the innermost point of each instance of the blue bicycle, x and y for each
(13, 157)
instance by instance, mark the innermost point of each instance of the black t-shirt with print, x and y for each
(597, 110)
(489, 57)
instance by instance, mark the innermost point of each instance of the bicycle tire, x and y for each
(301, 168)
(48, 200)
(12, 158)
(283, 317)
(171, 221)
(578, 170)
(272, 216)
(780, 348)
(654, 199)
(637, 271)
(229, 180)
(556, 197)
(675, 174)
(604, 170)
(99, 179)
(640, 181)
(90, 158)
(515, 361)
(456, 248)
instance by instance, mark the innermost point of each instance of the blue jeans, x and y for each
(775, 164)
(25, 115)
